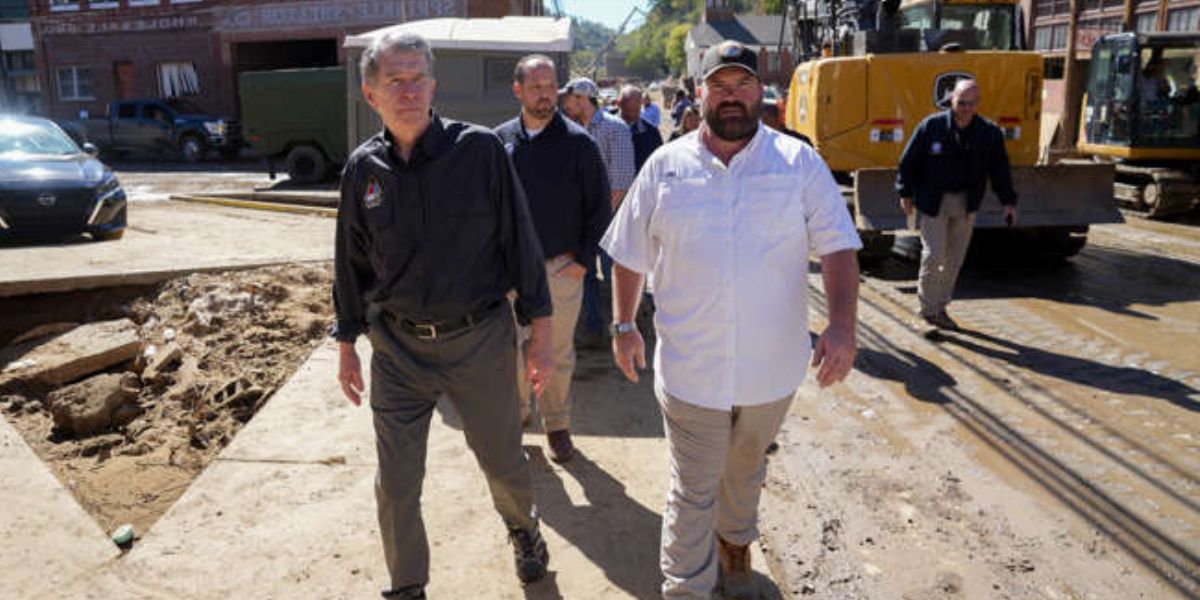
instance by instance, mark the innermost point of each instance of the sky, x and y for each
(608, 12)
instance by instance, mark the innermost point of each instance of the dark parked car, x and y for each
(50, 186)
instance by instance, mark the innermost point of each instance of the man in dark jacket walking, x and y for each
(944, 173)
(566, 184)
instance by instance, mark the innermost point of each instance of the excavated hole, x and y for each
(240, 335)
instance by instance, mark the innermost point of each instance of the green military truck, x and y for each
(297, 117)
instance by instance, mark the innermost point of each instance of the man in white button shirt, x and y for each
(723, 221)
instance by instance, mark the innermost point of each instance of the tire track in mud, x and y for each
(1058, 407)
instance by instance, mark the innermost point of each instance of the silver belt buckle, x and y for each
(421, 329)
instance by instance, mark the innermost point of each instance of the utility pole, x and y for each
(1072, 90)
(1127, 20)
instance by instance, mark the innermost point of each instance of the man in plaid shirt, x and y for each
(612, 135)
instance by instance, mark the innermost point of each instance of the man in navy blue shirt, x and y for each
(944, 172)
(566, 185)
(646, 138)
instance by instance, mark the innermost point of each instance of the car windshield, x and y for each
(34, 138)
(993, 24)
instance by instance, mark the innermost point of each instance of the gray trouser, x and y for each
(474, 369)
(718, 463)
(566, 295)
(944, 241)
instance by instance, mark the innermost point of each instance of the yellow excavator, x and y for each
(1142, 113)
(873, 69)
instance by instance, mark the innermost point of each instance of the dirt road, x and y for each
(1050, 450)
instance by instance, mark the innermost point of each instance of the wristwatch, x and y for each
(617, 329)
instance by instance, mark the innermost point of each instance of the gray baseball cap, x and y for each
(581, 85)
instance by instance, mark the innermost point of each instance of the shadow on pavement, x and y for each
(922, 379)
(612, 530)
(1080, 371)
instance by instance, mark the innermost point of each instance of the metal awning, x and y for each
(523, 34)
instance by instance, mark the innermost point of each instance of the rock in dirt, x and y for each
(42, 331)
(94, 404)
(77, 353)
(166, 359)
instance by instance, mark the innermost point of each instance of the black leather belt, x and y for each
(430, 331)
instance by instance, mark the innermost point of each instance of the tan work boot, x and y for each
(736, 576)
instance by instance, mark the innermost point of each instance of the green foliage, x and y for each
(658, 44)
(590, 35)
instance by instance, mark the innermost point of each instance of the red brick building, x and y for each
(91, 52)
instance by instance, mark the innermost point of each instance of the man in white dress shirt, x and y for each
(723, 222)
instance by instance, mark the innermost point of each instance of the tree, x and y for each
(676, 51)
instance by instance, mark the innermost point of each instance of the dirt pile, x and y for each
(128, 438)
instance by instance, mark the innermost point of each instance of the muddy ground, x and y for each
(1049, 450)
(240, 335)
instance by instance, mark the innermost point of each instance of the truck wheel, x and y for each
(306, 164)
(191, 149)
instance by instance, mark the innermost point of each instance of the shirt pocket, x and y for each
(771, 216)
(686, 212)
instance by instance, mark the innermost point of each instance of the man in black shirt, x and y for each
(566, 184)
(432, 233)
(944, 173)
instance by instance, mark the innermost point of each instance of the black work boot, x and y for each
(412, 592)
(529, 550)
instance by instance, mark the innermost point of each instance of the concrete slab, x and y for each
(49, 539)
(288, 509)
(165, 240)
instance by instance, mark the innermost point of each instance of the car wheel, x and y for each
(306, 164)
(192, 149)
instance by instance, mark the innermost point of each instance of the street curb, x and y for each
(73, 284)
(256, 205)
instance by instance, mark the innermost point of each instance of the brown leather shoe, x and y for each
(736, 575)
(561, 448)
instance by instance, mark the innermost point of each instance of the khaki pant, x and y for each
(473, 369)
(944, 241)
(718, 463)
(566, 295)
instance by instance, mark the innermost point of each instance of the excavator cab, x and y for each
(1142, 98)
(987, 25)
(1143, 112)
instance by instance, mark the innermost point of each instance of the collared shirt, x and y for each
(727, 250)
(941, 157)
(646, 139)
(566, 185)
(652, 114)
(616, 148)
(437, 237)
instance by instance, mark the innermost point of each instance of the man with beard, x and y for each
(723, 222)
(566, 186)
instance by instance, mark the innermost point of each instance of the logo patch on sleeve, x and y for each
(374, 194)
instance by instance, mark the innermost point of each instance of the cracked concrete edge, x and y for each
(91, 282)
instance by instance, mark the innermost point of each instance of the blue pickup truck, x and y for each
(172, 127)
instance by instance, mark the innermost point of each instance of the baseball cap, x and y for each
(729, 54)
(581, 85)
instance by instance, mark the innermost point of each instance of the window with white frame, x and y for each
(177, 79)
(64, 5)
(1147, 22)
(772, 62)
(1184, 19)
(142, 2)
(74, 83)
(95, 4)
